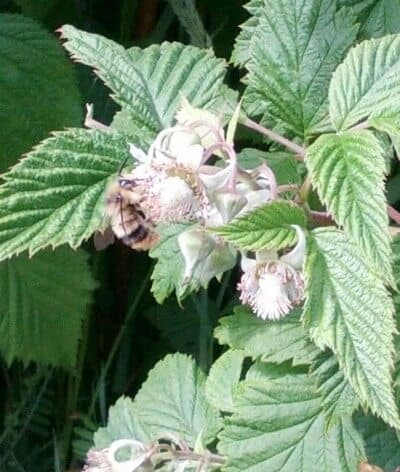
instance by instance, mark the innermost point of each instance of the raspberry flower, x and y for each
(272, 286)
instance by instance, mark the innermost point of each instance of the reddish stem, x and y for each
(393, 214)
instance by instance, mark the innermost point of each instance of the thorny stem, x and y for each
(296, 148)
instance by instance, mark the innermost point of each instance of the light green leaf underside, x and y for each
(278, 426)
(349, 310)
(288, 79)
(44, 301)
(276, 341)
(366, 83)
(241, 53)
(38, 92)
(223, 379)
(123, 423)
(55, 195)
(348, 171)
(266, 227)
(148, 83)
(338, 397)
(173, 400)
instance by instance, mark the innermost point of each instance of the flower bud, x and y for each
(228, 204)
(195, 245)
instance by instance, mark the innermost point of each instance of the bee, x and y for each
(128, 220)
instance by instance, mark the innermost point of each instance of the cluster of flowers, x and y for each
(191, 174)
(129, 455)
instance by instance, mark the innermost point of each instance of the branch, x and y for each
(393, 214)
(296, 148)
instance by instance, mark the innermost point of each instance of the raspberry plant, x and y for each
(307, 377)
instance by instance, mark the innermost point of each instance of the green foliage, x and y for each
(123, 422)
(168, 270)
(40, 321)
(354, 317)
(338, 397)
(55, 195)
(381, 443)
(278, 425)
(382, 17)
(271, 342)
(282, 394)
(241, 52)
(149, 84)
(288, 80)
(32, 62)
(266, 227)
(189, 17)
(223, 380)
(283, 164)
(171, 401)
(357, 91)
(348, 172)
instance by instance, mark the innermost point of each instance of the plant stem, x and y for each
(205, 335)
(393, 214)
(118, 339)
(296, 148)
(321, 218)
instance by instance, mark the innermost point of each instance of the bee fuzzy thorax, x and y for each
(128, 220)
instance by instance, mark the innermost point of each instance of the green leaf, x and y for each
(348, 171)
(349, 310)
(278, 426)
(381, 443)
(43, 305)
(173, 400)
(149, 83)
(168, 271)
(55, 195)
(297, 46)
(241, 52)
(283, 164)
(223, 380)
(278, 342)
(180, 324)
(338, 397)
(383, 18)
(38, 92)
(390, 124)
(266, 227)
(366, 83)
(123, 423)
(189, 18)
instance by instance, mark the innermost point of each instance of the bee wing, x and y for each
(102, 239)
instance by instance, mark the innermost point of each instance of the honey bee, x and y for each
(128, 220)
